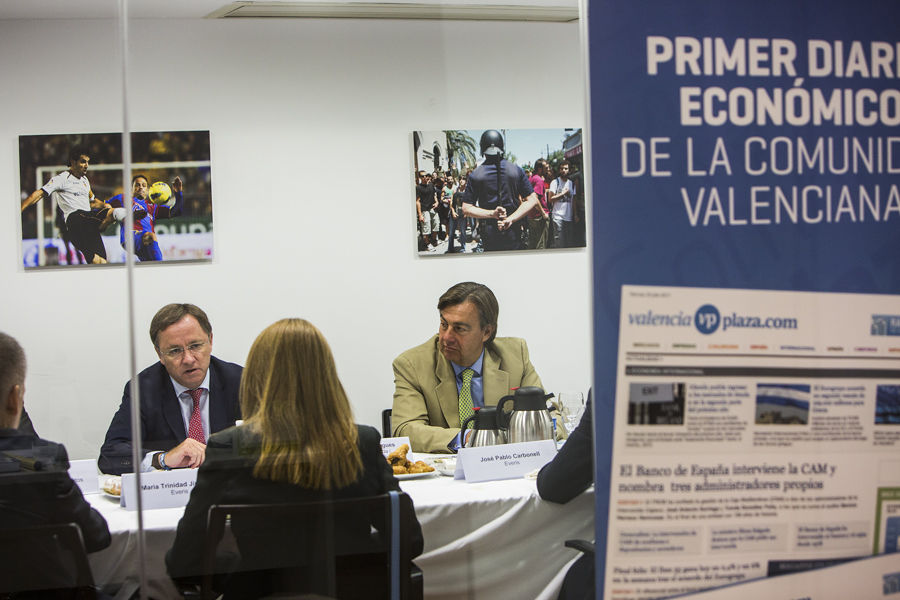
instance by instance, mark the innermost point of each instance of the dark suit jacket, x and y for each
(162, 426)
(569, 473)
(47, 496)
(226, 478)
(572, 470)
(25, 424)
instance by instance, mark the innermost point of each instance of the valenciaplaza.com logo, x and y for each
(708, 319)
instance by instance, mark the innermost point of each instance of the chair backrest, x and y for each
(45, 557)
(386, 430)
(329, 560)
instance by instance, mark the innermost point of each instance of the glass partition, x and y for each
(272, 174)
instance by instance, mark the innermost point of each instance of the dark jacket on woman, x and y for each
(226, 477)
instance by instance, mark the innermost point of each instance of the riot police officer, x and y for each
(500, 194)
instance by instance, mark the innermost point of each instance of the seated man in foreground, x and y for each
(565, 477)
(185, 397)
(465, 365)
(31, 496)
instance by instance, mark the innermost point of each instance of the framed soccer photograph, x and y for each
(74, 203)
(498, 189)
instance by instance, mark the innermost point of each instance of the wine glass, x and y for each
(571, 407)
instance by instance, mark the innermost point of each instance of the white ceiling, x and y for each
(198, 9)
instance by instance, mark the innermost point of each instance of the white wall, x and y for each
(288, 104)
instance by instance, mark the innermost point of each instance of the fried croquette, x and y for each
(402, 466)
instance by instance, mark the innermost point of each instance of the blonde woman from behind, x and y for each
(298, 443)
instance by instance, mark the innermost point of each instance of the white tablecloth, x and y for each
(495, 539)
(489, 540)
(116, 567)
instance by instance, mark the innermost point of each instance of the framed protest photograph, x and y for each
(484, 190)
(74, 203)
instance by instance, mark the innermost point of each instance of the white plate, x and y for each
(415, 475)
(445, 466)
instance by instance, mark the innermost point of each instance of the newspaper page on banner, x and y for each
(757, 433)
(876, 577)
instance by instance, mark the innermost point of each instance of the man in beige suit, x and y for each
(465, 365)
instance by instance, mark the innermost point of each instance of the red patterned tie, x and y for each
(195, 425)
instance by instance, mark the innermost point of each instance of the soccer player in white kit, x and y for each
(74, 197)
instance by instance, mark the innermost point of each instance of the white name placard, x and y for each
(388, 445)
(160, 489)
(505, 461)
(84, 474)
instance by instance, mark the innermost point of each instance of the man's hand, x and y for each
(499, 213)
(177, 186)
(504, 224)
(189, 453)
(421, 218)
(148, 238)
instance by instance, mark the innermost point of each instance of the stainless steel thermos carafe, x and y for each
(529, 420)
(486, 429)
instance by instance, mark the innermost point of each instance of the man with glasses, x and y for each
(185, 397)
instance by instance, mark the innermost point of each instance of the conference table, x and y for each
(494, 539)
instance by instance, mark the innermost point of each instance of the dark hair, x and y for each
(140, 176)
(76, 152)
(12, 363)
(565, 162)
(478, 294)
(170, 314)
(541, 163)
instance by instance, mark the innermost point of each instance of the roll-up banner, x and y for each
(746, 240)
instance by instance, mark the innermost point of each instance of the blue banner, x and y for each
(749, 145)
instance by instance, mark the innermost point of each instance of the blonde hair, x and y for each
(291, 395)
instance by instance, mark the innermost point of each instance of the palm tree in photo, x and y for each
(462, 149)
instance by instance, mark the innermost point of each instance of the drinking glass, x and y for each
(571, 406)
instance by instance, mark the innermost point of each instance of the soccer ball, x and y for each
(160, 193)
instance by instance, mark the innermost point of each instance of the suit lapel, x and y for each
(445, 390)
(171, 407)
(218, 409)
(495, 381)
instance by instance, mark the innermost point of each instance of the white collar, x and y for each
(180, 389)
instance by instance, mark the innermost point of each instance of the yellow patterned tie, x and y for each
(465, 396)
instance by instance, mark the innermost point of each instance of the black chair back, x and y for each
(322, 549)
(386, 430)
(45, 561)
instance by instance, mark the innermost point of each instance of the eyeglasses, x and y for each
(178, 353)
